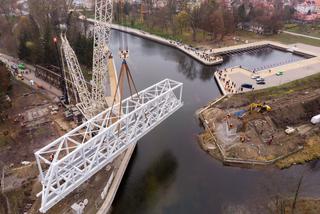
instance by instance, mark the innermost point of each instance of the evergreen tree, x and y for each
(23, 50)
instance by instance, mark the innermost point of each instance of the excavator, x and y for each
(259, 107)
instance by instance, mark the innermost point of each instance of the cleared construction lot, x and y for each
(240, 131)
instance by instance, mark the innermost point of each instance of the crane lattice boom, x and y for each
(101, 52)
(93, 101)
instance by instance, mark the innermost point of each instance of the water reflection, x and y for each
(170, 173)
(192, 70)
(145, 191)
(260, 59)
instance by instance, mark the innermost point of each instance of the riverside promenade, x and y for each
(231, 79)
(202, 56)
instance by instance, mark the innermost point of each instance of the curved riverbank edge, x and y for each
(167, 42)
(208, 142)
(303, 146)
(106, 206)
(194, 54)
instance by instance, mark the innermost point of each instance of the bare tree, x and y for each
(194, 21)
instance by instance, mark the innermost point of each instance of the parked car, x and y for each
(260, 79)
(246, 85)
(279, 73)
(255, 76)
(261, 82)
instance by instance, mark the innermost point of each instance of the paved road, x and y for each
(301, 35)
(273, 80)
(50, 91)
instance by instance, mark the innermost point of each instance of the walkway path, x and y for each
(49, 91)
(291, 72)
(200, 55)
(301, 35)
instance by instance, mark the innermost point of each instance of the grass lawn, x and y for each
(310, 82)
(306, 29)
(204, 40)
(283, 38)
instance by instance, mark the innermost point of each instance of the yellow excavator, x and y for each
(259, 107)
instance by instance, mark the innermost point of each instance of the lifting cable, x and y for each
(125, 73)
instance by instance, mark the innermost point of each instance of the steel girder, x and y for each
(73, 158)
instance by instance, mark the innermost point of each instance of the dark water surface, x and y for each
(262, 58)
(168, 172)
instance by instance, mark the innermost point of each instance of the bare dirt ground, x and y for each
(264, 133)
(90, 190)
(302, 206)
(28, 127)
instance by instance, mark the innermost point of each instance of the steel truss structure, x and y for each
(101, 52)
(73, 158)
(92, 101)
(76, 75)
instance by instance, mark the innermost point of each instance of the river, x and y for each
(169, 173)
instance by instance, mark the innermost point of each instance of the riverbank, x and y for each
(245, 132)
(201, 55)
(231, 79)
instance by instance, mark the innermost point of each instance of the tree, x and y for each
(242, 13)
(194, 21)
(23, 51)
(46, 16)
(288, 12)
(4, 88)
(182, 20)
(27, 36)
(7, 8)
(7, 41)
(83, 48)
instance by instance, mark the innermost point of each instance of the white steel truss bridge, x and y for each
(72, 159)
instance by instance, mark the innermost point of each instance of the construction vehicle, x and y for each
(258, 107)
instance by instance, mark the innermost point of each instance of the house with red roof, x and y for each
(309, 10)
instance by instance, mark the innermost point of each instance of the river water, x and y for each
(169, 173)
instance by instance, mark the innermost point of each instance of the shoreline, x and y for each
(198, 55)
(257, 148)
(292, 71)
(312, 58)
(106, 206)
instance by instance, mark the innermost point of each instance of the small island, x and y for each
(264, 127)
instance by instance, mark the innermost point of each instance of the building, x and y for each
(88, 4)
(22, 7)
(307, 7)
(308, 11)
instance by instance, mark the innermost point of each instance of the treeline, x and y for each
(213, 18)
(30, 38)
(5, 88)
(177, 17)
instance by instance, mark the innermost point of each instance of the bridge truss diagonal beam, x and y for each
(85, 150)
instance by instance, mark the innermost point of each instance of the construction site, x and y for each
(82, 133)
(69, 134)
(269, 126)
